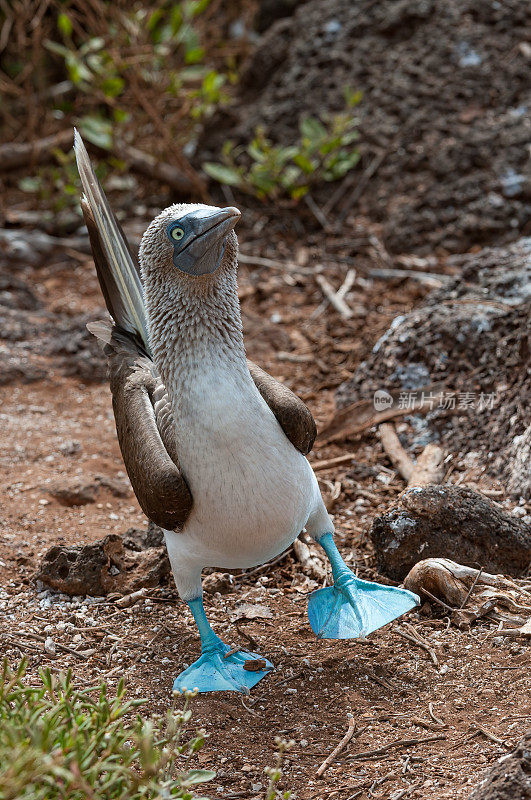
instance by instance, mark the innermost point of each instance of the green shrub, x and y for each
(324, 152)
(57, 741)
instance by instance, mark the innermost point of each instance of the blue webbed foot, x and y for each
(213, 672)
(353, 608)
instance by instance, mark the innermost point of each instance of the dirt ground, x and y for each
(447, 721)
(444, 119)
(444, 133)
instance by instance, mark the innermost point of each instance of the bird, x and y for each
(215, 448)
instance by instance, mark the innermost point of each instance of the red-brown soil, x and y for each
(60, 428)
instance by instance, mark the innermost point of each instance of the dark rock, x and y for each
(269, 11)
(472, 338)
(75, 494)
(81, 570)
(139, 539)
(117, 486)
(222, 582)
(113, 564)
(452, 116)
(510, 777)
(15, 369)
(449, 522)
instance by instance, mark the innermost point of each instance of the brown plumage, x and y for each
(144, 419)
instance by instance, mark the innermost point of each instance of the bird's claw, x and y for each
(353, 608)
(218, 671)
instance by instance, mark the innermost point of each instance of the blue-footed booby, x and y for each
(215, 448)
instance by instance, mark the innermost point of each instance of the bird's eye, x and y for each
(177, 234)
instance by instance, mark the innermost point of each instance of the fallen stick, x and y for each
(347, 284)
(129, 600)
(433, 280)
(19, 154)
(429, 467)
(270, 263)
(335, 299)
(333, 462)
(414, 639)
(318, 214)
(398, 456)
(358, 189)
(397, 743)
(310, 562)
(341, 746)
(64, 647)
(362, 415)
(148, 165)
(435, 718)
(489, 735)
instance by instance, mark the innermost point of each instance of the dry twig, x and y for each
(398, 743)
(341, 746)
(398, 456)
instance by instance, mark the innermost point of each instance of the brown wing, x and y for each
(294, 417)
(144, 424)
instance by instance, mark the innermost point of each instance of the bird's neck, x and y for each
(196, 338)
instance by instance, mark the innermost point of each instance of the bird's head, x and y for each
(191, 240)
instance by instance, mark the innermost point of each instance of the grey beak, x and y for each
(209, 228)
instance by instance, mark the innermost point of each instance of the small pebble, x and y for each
(49, 646)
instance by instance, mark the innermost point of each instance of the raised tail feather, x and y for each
(117, 274)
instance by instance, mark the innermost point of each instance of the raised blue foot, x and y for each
(353, 607)
(214, 671)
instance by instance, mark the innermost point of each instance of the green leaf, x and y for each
(223, 173)
(121, 115)
(313, 129)
(256, 153)
(113, 86)
(64, 24)
(55, 47)
(198, 7)
(196, 776)
(194, 55)
(298, 192)
(304, 163)
(97, 130)
(352, 98)
(30, 185)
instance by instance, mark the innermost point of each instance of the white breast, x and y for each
(253, 491)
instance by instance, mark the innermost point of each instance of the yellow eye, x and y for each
(177, 234)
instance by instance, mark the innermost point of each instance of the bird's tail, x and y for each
(117, 274)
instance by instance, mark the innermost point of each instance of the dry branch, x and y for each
(398, 456)
(147, 165)
(399, 743)
(341, 746)
(335, 298)
(429, 467)
(361, 416)
(19, 154)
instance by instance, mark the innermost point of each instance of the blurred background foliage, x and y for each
(149, 75)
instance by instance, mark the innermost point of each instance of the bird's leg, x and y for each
(209, 641)
(215, 670)
(353, 607)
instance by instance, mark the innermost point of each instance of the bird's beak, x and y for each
(210, 228)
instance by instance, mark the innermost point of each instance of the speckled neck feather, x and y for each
(194, 321)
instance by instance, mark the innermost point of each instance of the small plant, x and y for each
(58, 742)
(57, 184)
(275, 773)
(324, 152)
